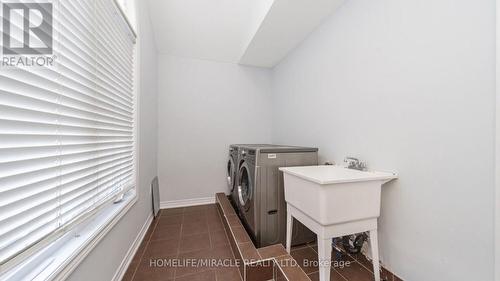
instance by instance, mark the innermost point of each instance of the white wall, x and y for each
(408, 86)
(204, 107)
(102, 263)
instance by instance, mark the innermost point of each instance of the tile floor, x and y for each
(193, 234)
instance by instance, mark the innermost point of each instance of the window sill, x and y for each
(58, 260)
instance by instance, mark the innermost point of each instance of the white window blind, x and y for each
(67, 133)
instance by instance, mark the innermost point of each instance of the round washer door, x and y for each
(231, 173)
(245, 187)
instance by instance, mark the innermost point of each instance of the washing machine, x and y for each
(260, 191)
(232, 172)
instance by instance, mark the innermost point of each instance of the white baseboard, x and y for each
(187, 202)
(122, 269)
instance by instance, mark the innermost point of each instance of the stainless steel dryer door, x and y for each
(231, 173)
(245, 187)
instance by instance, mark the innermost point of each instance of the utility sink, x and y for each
(334, 201)
(334, 194)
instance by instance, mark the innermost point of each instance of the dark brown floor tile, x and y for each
(135, 262)
(312, 244)
(150, 231)
(222, 253)
(155, 269)
(213, 219)
(202, 276)
(213, 216)
(171, 212)
(291, 269)
(354, 271)
(272, 251)
(219, 209)
(219, 197)
(278, 274)
(298, 247)
(240, 235)
(194, 243)
(200, 208)
(166, 232)
(219, 239)
(129, 274)
(234, 221)
(212, 210)
(199, 233)
(260, 271)
(362, 260)
(307, 258)
(195, 217)
(133, 265)
(230, 237)
(215, 225)
(212, 206)
(170, 220)
(193, 262)
(140, 252)
(384, 274)
(315, 248)
(153, 275)
(194, 228)
(228, 274)
(236, 254)
(248, 252)
(227, 208)
(334, 276)
(162, 248)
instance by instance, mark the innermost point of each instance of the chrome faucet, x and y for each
(355, 163)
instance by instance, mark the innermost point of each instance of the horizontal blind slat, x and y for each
(71, 98)
(14, 217)
(31, 189)
(20, 140)
(29, 127)
(36, 217)
(108, 85)
(25, 166)
(25, 154)
(15, 181)
(8, 112)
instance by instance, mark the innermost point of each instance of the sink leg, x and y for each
(324, 257)
(374, 246)
(289, 229)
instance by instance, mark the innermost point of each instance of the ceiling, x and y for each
(218, 30)
(291, 22)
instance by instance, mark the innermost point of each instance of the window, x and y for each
(67, 131)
